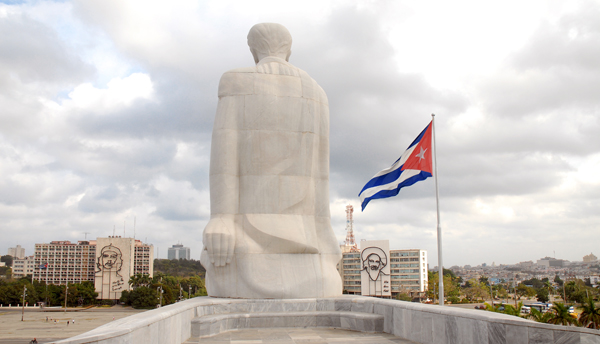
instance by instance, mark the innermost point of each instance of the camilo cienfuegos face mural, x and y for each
(375, 275)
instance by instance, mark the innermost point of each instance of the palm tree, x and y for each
(539, 316)
(590, 316)
(512, 310)
(561, 316)
(490, 308)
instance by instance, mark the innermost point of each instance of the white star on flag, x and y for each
(421, 154)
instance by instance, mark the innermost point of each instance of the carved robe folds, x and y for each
(269, 180)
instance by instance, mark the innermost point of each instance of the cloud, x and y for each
(107, 110)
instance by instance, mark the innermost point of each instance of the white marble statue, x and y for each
(269, 235)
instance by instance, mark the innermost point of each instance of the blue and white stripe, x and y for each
(387, 183)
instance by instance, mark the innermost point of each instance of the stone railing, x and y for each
(417, 322)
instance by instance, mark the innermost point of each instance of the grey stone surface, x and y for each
(589, 339)
(300, 336)
(438, 329)
(540, 336)
(496, 333)
(210, 325)
(388, 316)
(517, 334)
(452, 332)
(562, 337)
(429, 323)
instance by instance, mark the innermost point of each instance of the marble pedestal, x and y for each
(421, 323)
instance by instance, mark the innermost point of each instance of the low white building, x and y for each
(23, 267)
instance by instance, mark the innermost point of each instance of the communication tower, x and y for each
(350, 243)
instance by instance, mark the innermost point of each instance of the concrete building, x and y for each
(144, 258)
(23, 267)
(550, 262)
(106, 262)
(407, 271)
(62, 262)
(589, 258)
(117, 259)
(178, 252)
(16, 252)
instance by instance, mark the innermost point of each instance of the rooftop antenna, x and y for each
(86, 233)
(124, 228)
(114, 227)
(134, 227)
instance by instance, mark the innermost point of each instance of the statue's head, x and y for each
(270, 39)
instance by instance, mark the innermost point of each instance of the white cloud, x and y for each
(119, 92)
(107, 110)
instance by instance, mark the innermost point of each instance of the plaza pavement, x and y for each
(15, 331)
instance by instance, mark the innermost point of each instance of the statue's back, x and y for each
(270, 171)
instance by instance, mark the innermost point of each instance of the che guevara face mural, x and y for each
(110, 259)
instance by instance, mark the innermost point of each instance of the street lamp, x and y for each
(24, 294)
(66, 293)
(160, 291)
(189, 291)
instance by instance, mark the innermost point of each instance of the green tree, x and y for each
(140, 280)
(143, 297)
(476, 291)
(451, 284)
(590, 314)
(523, 290)
(512, 310)
(577, 291)
(558, 281)
(561, 316)
(403, 297)
(86, 293)
(8, 260)
(539, 316)
(542, 295)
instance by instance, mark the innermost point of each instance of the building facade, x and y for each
(23, 267)
(106, 262)
(178, 252)
(62, 262)
(589, 258)
(407, 270)
(16, 252)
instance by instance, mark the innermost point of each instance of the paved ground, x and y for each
(300, 336)
(15, 331)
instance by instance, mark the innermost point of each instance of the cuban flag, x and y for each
(43, 266)
(413, 166)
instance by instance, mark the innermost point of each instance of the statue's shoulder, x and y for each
(311, 89)
(237, 81)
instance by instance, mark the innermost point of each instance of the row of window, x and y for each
(404, 254)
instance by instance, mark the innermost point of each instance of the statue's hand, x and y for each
(219, 240)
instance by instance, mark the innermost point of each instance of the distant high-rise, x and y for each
(17, 252)
(590, 258)
(179, 252)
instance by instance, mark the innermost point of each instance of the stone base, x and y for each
(420, 323)
(211, 325)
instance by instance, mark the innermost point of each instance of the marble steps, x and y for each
(213, 324)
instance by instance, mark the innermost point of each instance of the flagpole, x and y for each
(439, 227)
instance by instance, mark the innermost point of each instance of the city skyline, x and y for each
(107, 112)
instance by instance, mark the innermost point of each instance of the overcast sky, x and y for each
(106, 112)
